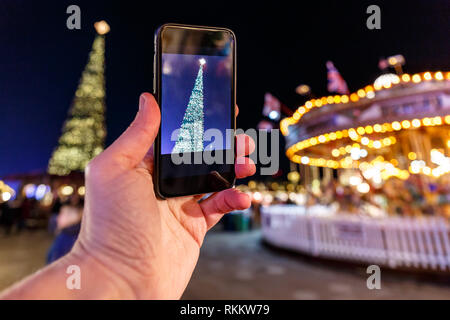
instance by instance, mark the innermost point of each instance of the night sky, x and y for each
(278, 47)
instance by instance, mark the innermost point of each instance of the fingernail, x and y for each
(142, 101)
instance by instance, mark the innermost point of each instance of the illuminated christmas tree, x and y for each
(190, 138)
(84, 132)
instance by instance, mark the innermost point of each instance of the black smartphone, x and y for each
(194, 84)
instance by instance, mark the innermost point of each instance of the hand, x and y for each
(148, 246)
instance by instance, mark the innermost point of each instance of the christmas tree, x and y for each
(190, 138)
(84, 132)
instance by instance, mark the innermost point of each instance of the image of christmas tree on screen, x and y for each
(196, 96)
(190, 138)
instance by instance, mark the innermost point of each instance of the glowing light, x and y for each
(416, 123)
(330, 100)
(102, 27)
(396, 125)
(257, 196)
(363, 153)
(363, 187)
(386, 81)
(335, 153)
(427, 121)
(354, 180)
(416, 78)
(354, 97)
(29, 190)
(41, 190)
(6, 196)
(344, 99)
(274, 114)
(412, 156)
(377, 128)
(66, 190)
(361, 93)
(355, 153)
(427, 76)
(82, 190)
(368, 129)
(377, 144)
(406, 78)
(361, 130)
(406, 124)
(370, 94)
(365, 141)
(437, 121)
(305, 160)
(439, 76)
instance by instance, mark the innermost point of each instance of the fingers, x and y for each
(132, 146)
(244, 167)
(244, 145)
(223, 202)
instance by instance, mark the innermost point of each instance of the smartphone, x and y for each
(194, 84)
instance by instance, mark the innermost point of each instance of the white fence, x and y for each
(394, 241)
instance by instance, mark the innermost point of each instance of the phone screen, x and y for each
(197, 110)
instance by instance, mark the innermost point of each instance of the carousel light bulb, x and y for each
(426, 121)
(370, 94)
(439, 76)
(447, 119)
(396, 125)
(416, 123)
(202, 61)
(406, 124)
(377, 144)
(406, 78)
(363, 187)
(335, 153)
(365, 141)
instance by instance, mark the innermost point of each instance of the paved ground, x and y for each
(239, 266)
(21, 255)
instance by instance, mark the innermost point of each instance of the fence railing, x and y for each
(422, 243)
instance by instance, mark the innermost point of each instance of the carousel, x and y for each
(374, 167)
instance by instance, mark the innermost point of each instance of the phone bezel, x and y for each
(157, 92)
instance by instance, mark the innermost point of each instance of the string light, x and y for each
(367, 92)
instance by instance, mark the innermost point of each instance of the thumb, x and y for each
(131, 147)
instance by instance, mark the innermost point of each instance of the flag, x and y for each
(335, 81)
(272, 107)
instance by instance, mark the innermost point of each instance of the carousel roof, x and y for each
(396, 122)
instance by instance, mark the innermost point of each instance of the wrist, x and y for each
(98, 280)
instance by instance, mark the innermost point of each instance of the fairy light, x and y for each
(368, 92)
